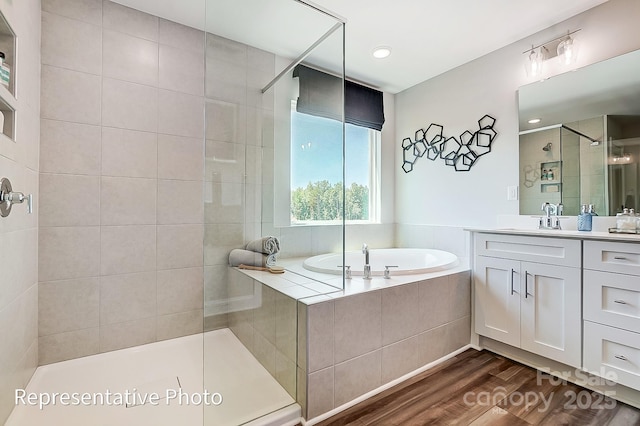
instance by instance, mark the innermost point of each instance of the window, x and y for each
(316, 170)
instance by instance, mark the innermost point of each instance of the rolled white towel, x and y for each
(266, 245)
(247, 257)
(271, 259)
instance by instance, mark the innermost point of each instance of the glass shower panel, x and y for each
(250, 344)
(570, 170)
(303, 161)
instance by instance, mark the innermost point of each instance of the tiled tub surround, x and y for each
(354, 341)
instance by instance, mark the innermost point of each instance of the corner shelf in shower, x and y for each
(8, 102)
(551, 186)
(8, 109)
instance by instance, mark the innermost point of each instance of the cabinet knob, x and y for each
(622, 302)
(621, 357)
(620, 258)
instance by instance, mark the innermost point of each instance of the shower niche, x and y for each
(550, 176)
(7, 73)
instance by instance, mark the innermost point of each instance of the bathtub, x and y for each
(408, 260)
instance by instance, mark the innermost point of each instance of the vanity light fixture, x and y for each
(534, 61)
(621, 159)
(564, 47)
(567, 50)
(381, 52)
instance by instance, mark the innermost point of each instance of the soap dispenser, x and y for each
(623, 221)
(585, 219)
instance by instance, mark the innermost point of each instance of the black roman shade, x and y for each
(321, 95)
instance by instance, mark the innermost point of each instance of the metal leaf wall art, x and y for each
(460, 153)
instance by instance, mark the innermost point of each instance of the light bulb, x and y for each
(535, 63)
(566, 51)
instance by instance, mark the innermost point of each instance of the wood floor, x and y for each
(482, 388)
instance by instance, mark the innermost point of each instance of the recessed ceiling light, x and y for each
(534, 121)
(381, 52)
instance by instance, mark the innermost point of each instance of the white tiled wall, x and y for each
(19, 231)
(121, 214)
(448, 238)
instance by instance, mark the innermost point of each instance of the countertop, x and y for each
(560, 233)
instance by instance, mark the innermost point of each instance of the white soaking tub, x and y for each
(408, 261)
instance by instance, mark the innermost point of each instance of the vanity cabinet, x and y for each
(528, 294)
(612, 310)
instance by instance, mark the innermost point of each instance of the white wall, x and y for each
(436, 194)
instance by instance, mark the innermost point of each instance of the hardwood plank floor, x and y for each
(480, 388)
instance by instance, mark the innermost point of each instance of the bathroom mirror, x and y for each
(586, 131)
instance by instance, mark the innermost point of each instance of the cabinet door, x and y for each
(551, 314)
(497, 299)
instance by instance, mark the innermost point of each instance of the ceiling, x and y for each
(427, 37)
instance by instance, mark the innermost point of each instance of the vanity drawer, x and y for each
(612, 299)
(553, 251)
(612, 256)
(612, 352)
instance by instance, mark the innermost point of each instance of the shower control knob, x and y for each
(8, 198)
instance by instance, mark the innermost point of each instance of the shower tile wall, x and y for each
(19, 231)
(121, 172)
(236, 116)
(532, 158)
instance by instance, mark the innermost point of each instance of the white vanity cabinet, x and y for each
(612, 310)
(528, 294)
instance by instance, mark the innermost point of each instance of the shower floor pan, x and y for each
(172, 370)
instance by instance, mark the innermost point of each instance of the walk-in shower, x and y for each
(194, 118)
(563, 164)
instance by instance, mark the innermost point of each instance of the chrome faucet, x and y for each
(550, 220)
(367, 267)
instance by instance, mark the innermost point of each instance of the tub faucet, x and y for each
(367, 267)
